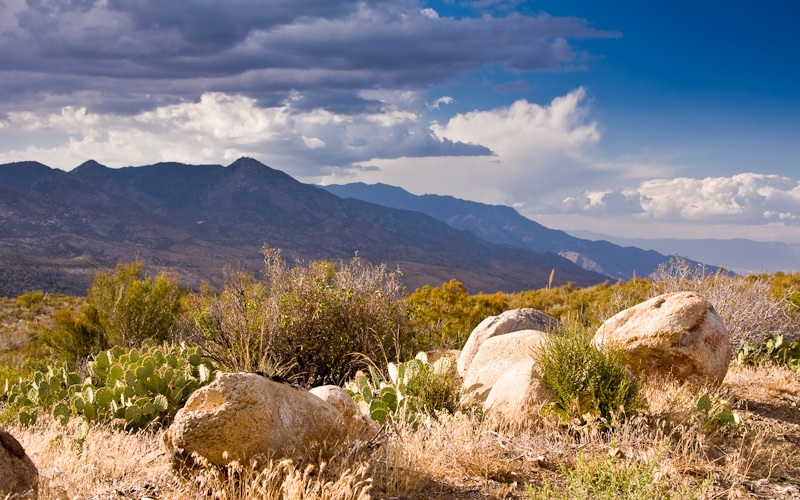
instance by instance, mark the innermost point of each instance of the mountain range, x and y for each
(505, 226)
(57, 228)
(739, 255)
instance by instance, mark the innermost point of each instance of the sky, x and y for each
(634, 119)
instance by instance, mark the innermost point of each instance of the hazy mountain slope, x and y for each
(504, 225)
(740, 255)
(57, 228)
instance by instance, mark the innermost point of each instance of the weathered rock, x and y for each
(437, 354)
(516, 393)
(19, 477)
(245, 416)
(677, 334)
(359, 426)
(513, 320)
(495, 356)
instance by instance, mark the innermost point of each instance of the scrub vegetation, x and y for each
(88, 386)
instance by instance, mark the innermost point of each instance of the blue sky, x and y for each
(635, 119)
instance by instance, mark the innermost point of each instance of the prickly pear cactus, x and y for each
(397, 397)
(133, 388)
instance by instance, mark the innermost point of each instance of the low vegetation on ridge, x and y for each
(88, 385)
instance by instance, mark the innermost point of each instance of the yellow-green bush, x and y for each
(444, 317)
(590, 306)
(123, 309)
(132, 307)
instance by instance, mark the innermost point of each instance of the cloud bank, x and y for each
(222, 127)
(124, 56)
(540, 152)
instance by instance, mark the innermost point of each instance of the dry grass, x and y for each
(464, 457)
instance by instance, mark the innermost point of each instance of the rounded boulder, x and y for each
(513, 320)
(677, 334)
(246, 416)
(358, 425)
(495, 356)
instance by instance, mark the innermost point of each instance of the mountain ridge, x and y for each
(500, 224)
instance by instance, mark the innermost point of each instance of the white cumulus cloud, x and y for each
(741, 198)
(538, 150)
(220, 127)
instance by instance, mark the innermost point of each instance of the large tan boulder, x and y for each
(246, 416)
(517, 393)
(19, 477)
(513, 320)
(495, 356)
(358, 425)
(677, 334)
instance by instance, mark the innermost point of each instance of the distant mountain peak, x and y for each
(252, 167)
(246, 162)
(91, 166)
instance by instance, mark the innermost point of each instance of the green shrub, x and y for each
(235, 326)
(75, 335)
(123, 309)
(433, 387)
(589, 305)
(131, 388)
(588, 383)
(34, 301)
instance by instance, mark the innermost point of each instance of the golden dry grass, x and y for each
(464, 457)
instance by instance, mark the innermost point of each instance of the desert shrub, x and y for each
(444, 317)
(328, 312)
(308, 319)
(236, 326)
(75, 335)
(588, 383)
(131, 388)
(786, 286)
(123, 309)
(132, 307)
(433, 387)
(23, 320)
(747, 306)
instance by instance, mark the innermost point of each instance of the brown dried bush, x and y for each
(746, 305)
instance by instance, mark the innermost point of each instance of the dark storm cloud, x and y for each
(330, 51)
